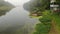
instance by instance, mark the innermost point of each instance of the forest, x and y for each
(47, 12)
(5, 7)
(50, 12)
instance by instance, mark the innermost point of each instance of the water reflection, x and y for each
(16, 21)
(2, 13)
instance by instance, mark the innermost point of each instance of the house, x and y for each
(36, 13)
(54, 6)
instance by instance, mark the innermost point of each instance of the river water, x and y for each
(17, 21)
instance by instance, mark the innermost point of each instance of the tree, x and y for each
(37, 6)
(5, 7)
(50, 23)
(40, 4)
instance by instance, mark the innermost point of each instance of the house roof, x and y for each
(53, 1)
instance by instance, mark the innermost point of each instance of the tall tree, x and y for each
(50, 21)
(41, 4)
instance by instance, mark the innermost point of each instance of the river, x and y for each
(17, 21)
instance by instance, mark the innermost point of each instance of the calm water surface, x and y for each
(16, 19)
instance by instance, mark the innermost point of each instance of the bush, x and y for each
(45, 25)
(42, 28)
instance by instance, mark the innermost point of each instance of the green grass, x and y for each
(36, 17)
(48, 15)
(57, 19)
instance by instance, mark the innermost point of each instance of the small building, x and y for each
(35, 13)
(54, 6)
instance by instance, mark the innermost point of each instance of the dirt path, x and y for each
(53, 28)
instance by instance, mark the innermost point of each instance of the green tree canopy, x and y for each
(5, 7)
(37, 4)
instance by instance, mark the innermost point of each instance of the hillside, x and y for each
(31, 5)
(5, 7)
